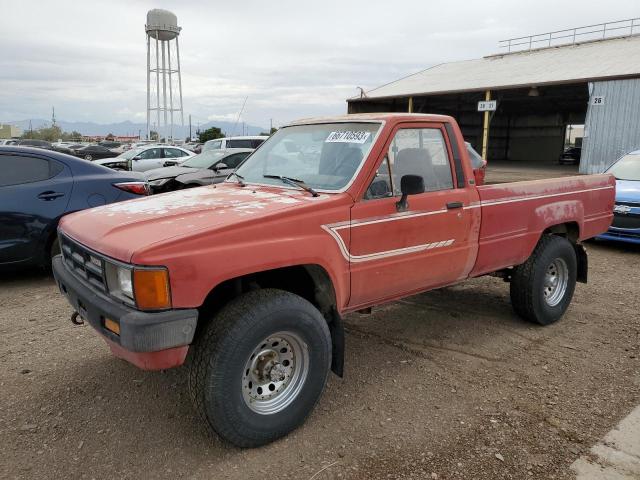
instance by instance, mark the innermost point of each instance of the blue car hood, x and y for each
(627, 191)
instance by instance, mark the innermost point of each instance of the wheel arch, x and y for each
(310, 281)
(571, 231)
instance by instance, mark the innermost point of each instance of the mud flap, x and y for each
(337, 343)
(583, 262)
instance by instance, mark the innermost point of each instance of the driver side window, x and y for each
(150, 153)
(423, 152)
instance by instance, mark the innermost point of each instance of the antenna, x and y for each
(239, 115)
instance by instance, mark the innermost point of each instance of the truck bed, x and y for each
(515, 214)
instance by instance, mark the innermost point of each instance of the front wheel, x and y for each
(88, 157)
(543, 286)
(260, 366)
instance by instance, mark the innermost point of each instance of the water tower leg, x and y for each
(170, 89)
(157, 87)
(148, 84)
(164, 87)
(179, 82)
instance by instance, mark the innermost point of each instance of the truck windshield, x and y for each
(323, 156)
(627, 168)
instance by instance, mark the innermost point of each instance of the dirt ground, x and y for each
(450, 384)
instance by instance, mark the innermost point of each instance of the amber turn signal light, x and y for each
(151, 289)
(112, 326)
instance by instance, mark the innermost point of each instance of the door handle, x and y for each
(452, 205)
(50, 195)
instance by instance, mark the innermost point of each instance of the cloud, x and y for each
(291, 59)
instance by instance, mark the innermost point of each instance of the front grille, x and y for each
(83, 263)
(628, 221)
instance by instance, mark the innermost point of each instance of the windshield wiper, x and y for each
(239, 177)
(295, 182)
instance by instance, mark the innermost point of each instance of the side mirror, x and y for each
(409, 185)
(220, 166)
(137, 157)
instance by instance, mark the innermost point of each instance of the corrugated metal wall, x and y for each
(612, 129)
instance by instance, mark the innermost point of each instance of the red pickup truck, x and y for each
(247, 280)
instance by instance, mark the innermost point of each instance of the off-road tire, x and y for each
(220, 354)
(527, 281)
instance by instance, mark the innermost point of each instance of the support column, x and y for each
(485, 128)
(410, 104)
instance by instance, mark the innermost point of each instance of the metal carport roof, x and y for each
(595, 60)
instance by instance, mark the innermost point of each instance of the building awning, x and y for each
(595, 60)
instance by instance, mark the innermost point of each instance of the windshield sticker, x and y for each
(347, 137)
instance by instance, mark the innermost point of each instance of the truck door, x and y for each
(434, 241)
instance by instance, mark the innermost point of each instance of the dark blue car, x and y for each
(37, 187)
(626, 212)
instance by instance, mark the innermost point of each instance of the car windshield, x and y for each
(204, 160)
(324, 156)
(627, 168)
(129, 154)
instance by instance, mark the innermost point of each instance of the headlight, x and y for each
(120, 281)
(145, 288)
(159, 182)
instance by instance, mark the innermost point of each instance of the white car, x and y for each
(234, 142)
(146, 158)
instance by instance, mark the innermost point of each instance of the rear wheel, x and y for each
(88, 157)
(542, 287)
(260, 366)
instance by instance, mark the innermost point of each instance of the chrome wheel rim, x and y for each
(556, 280)
(275, 373)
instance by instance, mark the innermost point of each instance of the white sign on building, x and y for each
(487, 105)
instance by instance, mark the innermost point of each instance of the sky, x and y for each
(289, 59)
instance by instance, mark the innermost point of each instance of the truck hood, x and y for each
(627, 191)
(120, 229)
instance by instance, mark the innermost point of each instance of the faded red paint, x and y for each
(162, 360)
(207, 235)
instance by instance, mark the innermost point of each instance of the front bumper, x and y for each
(620, 236)
(149, 340)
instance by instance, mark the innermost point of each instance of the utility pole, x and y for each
(53, 116)
(270, 126)
(189, 127)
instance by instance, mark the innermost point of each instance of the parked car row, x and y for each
(235, 142)
(146, 158)
(208, 168)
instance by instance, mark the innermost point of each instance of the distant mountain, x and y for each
(131, 128)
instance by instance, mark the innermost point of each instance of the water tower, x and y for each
(164, 94)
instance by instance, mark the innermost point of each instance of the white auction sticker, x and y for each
(347, 137)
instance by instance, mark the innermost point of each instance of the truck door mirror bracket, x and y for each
(409, 185)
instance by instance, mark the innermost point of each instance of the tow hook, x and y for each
(76, 319)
